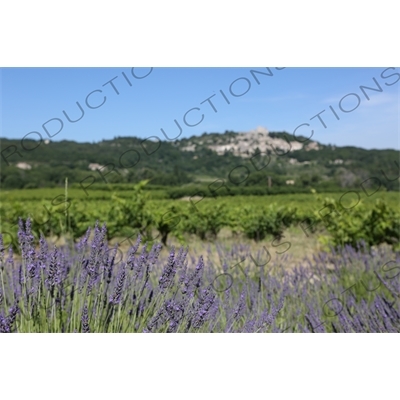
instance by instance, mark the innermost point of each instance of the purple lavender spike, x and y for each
(1, 252)
(249, 326)
(54, 270)
(194, 280)
(141, 266)
(203, 308)
(10, 258)
(26, 239)
(85, 320)
(81, 246)
(117, 293)
(240, 306)
(168, 273)
(43, 252)
(131, 253)
(7, 323)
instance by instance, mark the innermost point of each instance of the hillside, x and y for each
(274, 161)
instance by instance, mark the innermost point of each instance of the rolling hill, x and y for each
(256, 160)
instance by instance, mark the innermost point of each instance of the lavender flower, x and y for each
(97, 249)
(117, 293)
(1, 251)
(131, 254)
(172, 312)
(10, 258)
(239, 308)
(26, 238)
(249, 326)
(4, 328)
(6, 324)
(81, 246)
(54, 270)
(264, 321)
(85, 320)
(193, 281)
(169, 271)
(173, 296)
(43, 252)
(202, 309)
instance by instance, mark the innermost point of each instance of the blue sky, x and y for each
(290, 97)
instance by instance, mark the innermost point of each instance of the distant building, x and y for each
(312, 146)
(290, 182)
(336, 162)
(95, 166)
(23, 165)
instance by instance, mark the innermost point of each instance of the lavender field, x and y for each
(86, 287)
